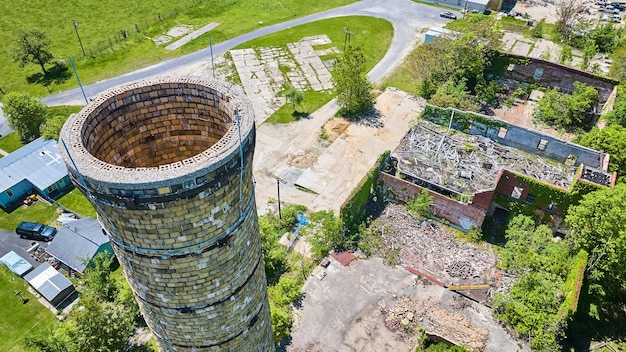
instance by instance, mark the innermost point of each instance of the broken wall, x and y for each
(464, 216)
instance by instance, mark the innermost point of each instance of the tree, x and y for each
(52, 127)
(612, 140)
(598, 225)
(590, 49)
(568, 13)
(618, 67)
(32, 46)
(617, 116)
(606, 37)
(565, 110)
(419, 207)
(454, 95)
(97, 277)
(324, 232)
(351, 84)
(25, 114)
(294, 96)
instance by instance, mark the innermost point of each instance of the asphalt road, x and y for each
(10, 241)
(405, 15)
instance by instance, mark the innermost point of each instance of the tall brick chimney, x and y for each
(167, 164)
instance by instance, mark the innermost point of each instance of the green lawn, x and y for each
(38, 212)
(77, 203)
(20, 320)
(101, 22)
(373, 35)
(11, 142)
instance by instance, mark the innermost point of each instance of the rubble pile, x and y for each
(466, 163)
(409, 315)
(431, 247)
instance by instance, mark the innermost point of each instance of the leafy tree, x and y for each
(52, 127)
(32, 46)
(97, 277)
(598, 225)
(531, 306)
(25, 114)
(566, 55)
(274, 253)
(294, 96)
(324, 232)
(565, 110)
(590, 49)
(617, 116)
(568, 13)
(612, 140)
(281, 297)
(419, 208)
(618, 66)
(605, 36)
(351, 84)
(487, 92)
(454, 95)
(94, 326)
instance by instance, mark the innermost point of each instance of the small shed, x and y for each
(77, 242)
(35, 168)
(436, 32)
(18, 265)
(51, 284)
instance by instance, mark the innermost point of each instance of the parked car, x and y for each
(606, 18)
(448, 14)
(601, 2)
(617, 18)
(35, 231)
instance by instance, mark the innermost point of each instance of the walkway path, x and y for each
(405, 15)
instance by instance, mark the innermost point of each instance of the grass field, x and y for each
(103, 21)
(19, 320)
(76, 202)
(373, 35)
(38, 212)
(11, 142)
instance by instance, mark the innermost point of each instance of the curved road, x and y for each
(406, 17)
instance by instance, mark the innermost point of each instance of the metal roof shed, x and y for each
(51, 284)
(18, 265)
(78, 242)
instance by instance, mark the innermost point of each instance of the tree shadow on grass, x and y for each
(58, 74)
(297, 115)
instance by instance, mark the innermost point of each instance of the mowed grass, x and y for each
(38, 212)
(11, 142)
(20, 320)
(99, 21)
(77, 203)
(373, 35)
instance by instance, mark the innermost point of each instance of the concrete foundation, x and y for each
(168, 166)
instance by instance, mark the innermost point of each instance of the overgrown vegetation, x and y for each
(568, 111)
(105, 319)
(540, 265)
(351, 84)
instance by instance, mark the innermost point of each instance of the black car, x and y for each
(448, 14)
(35, 231)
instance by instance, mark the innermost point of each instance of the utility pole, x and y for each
(278, 182)
(79, 41)
(347, 37)
(78, 79)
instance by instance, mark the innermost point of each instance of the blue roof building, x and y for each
(35, 168)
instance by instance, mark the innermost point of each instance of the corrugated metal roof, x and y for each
(39, 162)
(77, 240)
(47, 281)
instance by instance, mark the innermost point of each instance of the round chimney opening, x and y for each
(150, 126)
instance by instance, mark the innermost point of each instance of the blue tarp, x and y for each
(16, 263)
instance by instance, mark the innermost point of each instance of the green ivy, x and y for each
(462, 121)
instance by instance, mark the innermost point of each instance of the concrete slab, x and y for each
(191, 36)
(342, 311)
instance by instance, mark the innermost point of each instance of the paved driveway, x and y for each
(10, 241)
(406, 17)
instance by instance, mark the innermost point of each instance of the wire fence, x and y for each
(117, 39)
